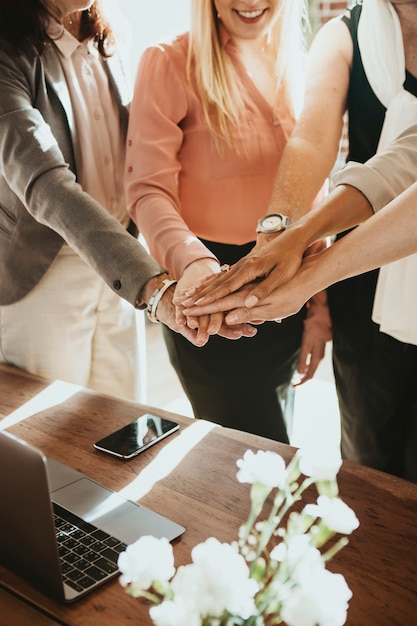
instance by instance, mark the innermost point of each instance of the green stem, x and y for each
(339, 545)
(286, 503)
(145, 594)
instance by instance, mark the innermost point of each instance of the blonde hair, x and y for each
(215, 76)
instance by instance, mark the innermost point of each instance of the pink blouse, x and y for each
(178, 186)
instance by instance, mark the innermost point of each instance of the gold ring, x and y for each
(224, 267)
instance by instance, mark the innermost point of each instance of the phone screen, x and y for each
(129, 440)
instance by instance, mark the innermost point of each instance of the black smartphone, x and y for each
(136, 437)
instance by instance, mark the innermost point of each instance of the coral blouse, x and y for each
(179, 188)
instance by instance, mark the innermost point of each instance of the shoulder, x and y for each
(176, 50)
(166, 60)
(332, 37)
(18, 67)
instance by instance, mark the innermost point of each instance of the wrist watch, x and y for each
(272, 223)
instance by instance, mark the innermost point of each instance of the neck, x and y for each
(248, 47)
(72, 23)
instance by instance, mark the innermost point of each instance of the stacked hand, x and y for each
(272, 282)
(247, 290)
(198, 328)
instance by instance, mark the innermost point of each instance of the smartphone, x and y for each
(136, 437)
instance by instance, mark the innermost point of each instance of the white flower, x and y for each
(267, 468)
(174, 613)
(217, 580)
(146, 560)
(222, 582)
(301, 558)
(337, 515)
(319, 467)
(321, 599)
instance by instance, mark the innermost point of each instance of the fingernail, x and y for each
(251, 301)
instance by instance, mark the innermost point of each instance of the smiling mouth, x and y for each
(250, 16)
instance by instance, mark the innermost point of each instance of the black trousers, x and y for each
(243, 384)
(376, 380)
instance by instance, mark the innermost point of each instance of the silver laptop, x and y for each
(59, 529)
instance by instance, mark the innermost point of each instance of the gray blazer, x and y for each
(41, 204)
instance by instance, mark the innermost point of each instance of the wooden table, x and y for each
(191, 478)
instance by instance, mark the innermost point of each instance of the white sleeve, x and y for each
(387, 174)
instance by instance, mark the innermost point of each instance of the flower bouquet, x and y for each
(274, 573)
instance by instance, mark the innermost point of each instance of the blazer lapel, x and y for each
(55, 77)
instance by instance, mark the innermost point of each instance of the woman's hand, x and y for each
(285, 300)
(263, 269)
(311, 353)
(207, 324)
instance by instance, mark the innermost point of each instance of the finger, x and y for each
(189, 334)
(202, 326)
(244, 272)
(247, 330)
(186, 292)
(262, 289)
(192, 322)
(227, 303)
(316, 356)
(239, 316)
(237, 331)
(179, 316)
(256, 315)
(304, 358)
(215, 323)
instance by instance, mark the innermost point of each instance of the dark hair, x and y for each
(23, 24)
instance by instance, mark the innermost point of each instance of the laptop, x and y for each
(59, 529)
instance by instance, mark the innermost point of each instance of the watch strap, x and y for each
(156, 297)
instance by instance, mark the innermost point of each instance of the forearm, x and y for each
(312, 149)
(386, 237)
(362, 189)
(300, 176)
(341, 210)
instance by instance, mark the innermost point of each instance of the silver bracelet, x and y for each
(155, 299)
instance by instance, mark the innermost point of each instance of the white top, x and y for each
(100, 164)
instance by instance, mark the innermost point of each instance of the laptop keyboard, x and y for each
(88, 555)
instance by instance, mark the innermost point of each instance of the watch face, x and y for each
(271, 222)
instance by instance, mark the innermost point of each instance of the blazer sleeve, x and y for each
(387, 174)
(36, 174)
